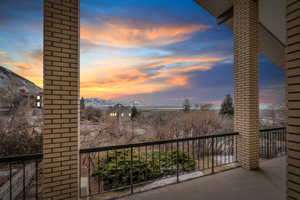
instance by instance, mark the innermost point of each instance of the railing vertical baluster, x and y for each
(131, 170)
(208, 152)
(285, 143)
(280, 144)
(89, 175)
(98, 173)
(188, 146)
(236, 148)
(10, 181)
(177, 161)
(269, 145)
(146, 153)
(263, 137)
(152, 155)
(116, 155)
(276, 143)
(159, 158)
(80, 164)
(272, 144)
(203, 153)
(193, 150)
(198, 153)
(24, 180)
(282, 141)
(146, 162)
(212, 155)
(228, 149)
(36, 180)
(231, 148)
(139, 152)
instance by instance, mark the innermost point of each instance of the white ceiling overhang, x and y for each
(272, 24)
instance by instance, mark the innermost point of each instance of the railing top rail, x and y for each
(30, 157)
(272, 129)
(116, 147)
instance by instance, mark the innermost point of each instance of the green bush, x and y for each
(115, 169)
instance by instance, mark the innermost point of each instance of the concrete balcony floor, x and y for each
(269, 182)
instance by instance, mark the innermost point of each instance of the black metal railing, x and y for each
(125, 169)
(272, 143)
(19, 177)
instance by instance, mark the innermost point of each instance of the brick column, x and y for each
(293, 96)
(246, 81)
(61, 100)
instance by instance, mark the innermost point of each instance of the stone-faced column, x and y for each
(246, 116)
(61, 100)
(293, 96)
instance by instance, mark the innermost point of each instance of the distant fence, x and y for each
(272, 143)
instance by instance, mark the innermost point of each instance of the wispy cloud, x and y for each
(124, 34)
(134, 75)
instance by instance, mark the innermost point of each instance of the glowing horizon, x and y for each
(137, 50)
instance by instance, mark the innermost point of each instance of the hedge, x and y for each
(114, 169)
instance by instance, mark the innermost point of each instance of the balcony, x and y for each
(269, 182)
(120, 171)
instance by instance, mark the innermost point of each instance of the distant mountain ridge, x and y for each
(98, 102)
(13, 85)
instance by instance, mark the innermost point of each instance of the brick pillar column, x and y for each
(246, 81)
(293, 97)
(61, 100)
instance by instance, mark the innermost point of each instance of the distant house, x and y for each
(120, 112)
(33, 100)
(26, 99)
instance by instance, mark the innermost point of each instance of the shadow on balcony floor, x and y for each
(266, 183)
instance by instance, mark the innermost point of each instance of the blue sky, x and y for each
(153, 51)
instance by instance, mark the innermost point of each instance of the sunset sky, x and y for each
(149, 50)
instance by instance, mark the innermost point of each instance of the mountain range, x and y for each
(98, 102)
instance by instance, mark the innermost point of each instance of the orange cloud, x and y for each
(127, 76)
(120, 34)
(22, 66)
(179, 81)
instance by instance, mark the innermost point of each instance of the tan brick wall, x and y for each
(61, 99)
(246, 81)
(293, 96)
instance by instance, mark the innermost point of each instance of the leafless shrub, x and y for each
(91, 114)
(18, 138)
(182, 124)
